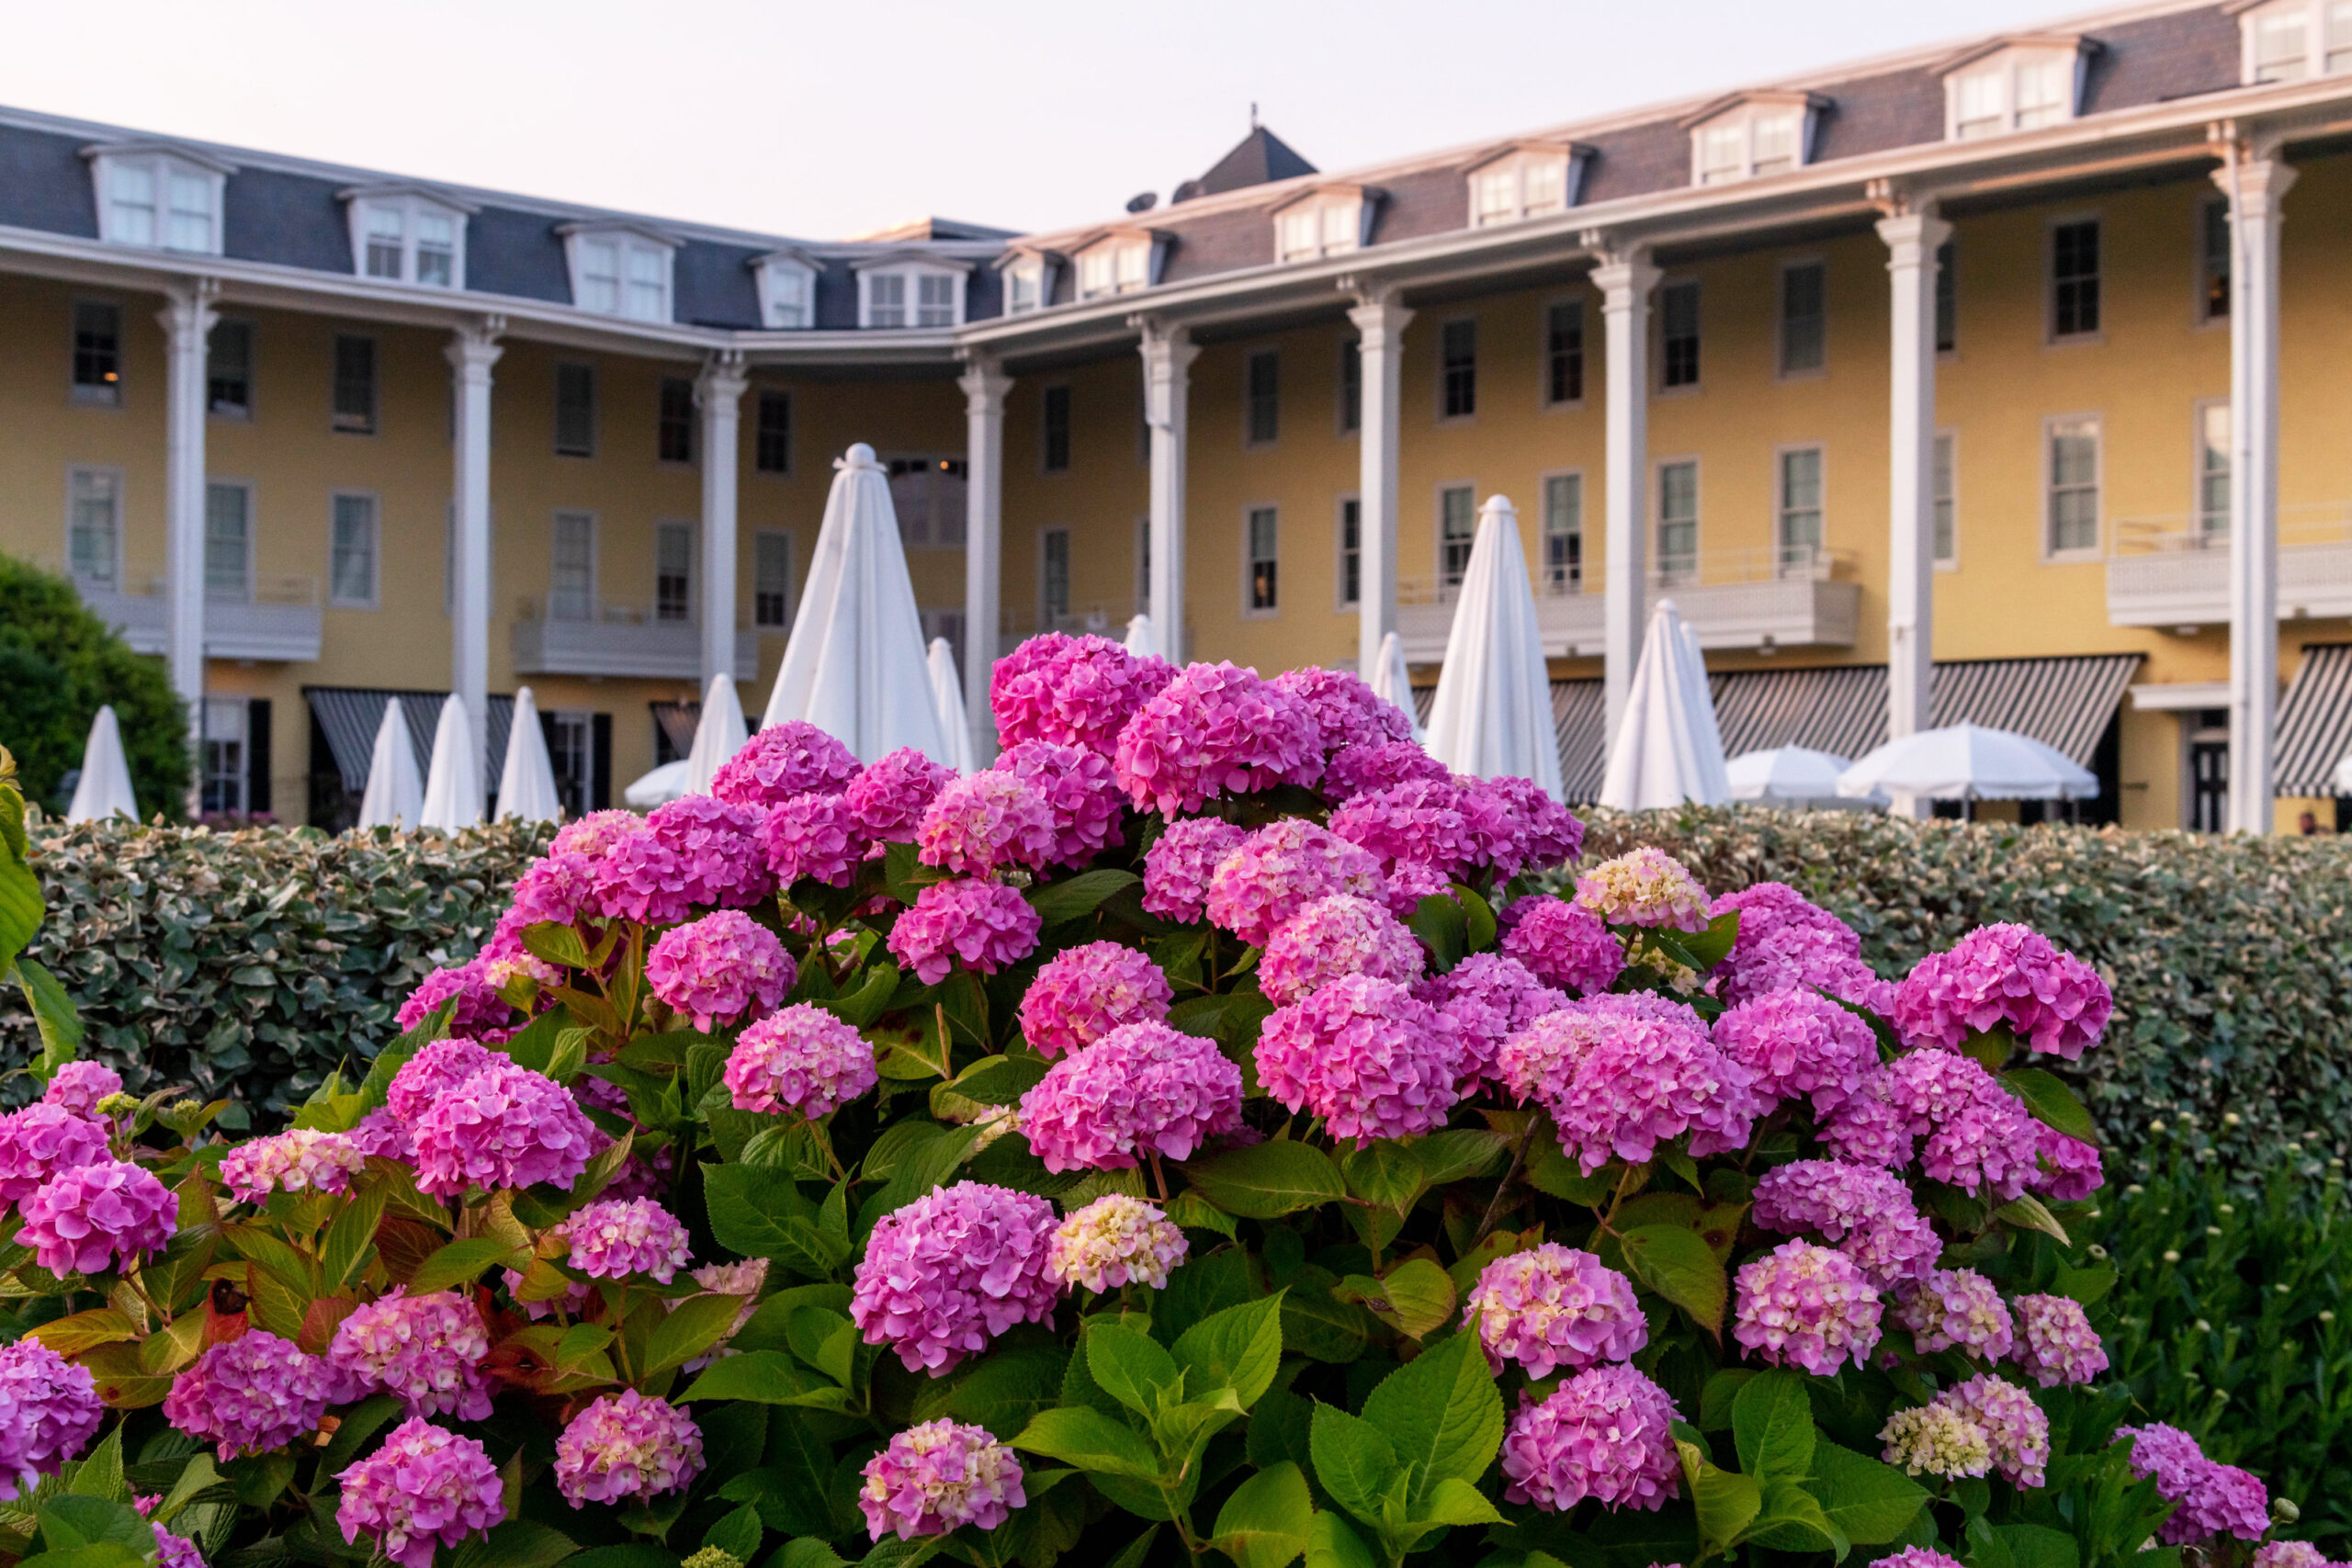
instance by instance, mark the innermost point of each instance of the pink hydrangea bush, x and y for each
(1083, 993)
(1143, 1090)
(720, 968)
(426, 1486)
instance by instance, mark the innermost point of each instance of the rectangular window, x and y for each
(1564, 352)
(1264, 419)
(1804, 317)
(674, 432)
(771, 433)
(571, 583)
(229, 370)
(228, 543)
(2073, 486)
(1723, 152)
(1457, 529)
(600, 276)
(1979, 108)
(771, 580)
(2213, 259)
(130, 204)
(2044, 90)
(1947, 300)
(1800, 508)
(94, 527)
(1262, 563)
(1563, 533)
(97, 353)
(1350, 386)
(1946, 495)
(649, 282)
(1143, 562)
(1055, 455)
(2280, 51)
(1775, 143)
(436, 249)
(1677, 320)
(885, 299)
(575, 411)
(931, 496)
(1459, 388)
(1678, 522)
(387, 241)
(226, 737)
(935, 300)
(354, 384)
(2338, 57)
(1053, 578)
(674, 572)
(191, 212)
(1350, 574)
(2212, 471)
(351, 552)
(2074, 279)
(572, 753)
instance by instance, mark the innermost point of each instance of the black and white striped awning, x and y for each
(2064, 701)
(2315, 721)
(1841, 709)
(678, 722)
(1580, 715)
(350, 716)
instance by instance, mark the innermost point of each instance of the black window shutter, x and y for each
(600, 774)
(258, 755)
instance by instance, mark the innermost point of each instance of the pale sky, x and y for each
(826, 121)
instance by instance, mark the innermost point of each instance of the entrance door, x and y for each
(2209, 775)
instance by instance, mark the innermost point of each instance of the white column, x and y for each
(718, 393)
(1911, 241)
(2254, 186)
(472, 352)
(985, 385)
(187, 319)
(1167, 356)
(1380, 322)
(1625, 279)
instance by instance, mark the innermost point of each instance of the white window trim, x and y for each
(1658, 388)
(792, 590)
(2095, 550)
(1699, 522)
(1780, 322)
(693, 528)
(1045, 531)
(77, 395)
(1949, 433)
(1042, 267)
(375, 500)
(628, 239)
(2197, 411)
(911, 267)
(244, 416)
(1358, 206)
(1443, 418)
(2200, 261)
(252, 532)
(1250, 561)
(1151, 242)
(1341, 603)
(116, 473)
(1749, 108)
(1543, 531)
(2250, 17)
(409, 201)
(1780, 497)
(2050, 227)
(1574, 159)
(1437, 530)
(596, 561)
(769, 272)
(162, 160)
(1544, 309)
(2007, 58)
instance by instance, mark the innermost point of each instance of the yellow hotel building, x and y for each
(2001, 381)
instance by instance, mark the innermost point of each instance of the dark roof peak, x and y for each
(1259, 158)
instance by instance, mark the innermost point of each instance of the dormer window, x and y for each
(1328, 222)
(787, 282)
(902, 291)
(620, 270)
(2013, 84)
(405, 235)
(1028, 280)
(2293, 40)
(1751, 137)
(1118, 263)
(157, 195)
(1524, 182)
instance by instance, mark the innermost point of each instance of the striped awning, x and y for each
(678, 722)
(1841, 709)
(2064, 701)
(350, 716)
(2315, 721)
(1580, 715)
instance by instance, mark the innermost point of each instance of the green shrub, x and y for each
(59, 663)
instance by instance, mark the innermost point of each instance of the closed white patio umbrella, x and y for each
(1143, 637)
(453, 779)
(395, 793)
(1391, 683)
(855, 666)
(526, 782)
(660, 787)
(719, 733)
(105, 787)
(947, 695)
(1669, 749)
(1493, 714)
(1968, 762)
(1793, 775)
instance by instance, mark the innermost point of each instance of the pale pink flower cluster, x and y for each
(1622, 1073)
(626, 1445)
(1083, 993)
(1334, 937)
(1956, 1309)
(107, 1214)
(505, 1126)
(2016, 1428)
(815, 836)
(1865, 1210)
(426, 1351)
(952, 1270)
(1554, 1306)
(1806, 1306)
(1563, 944)
(2291, 1554)
(1083, 801)
(987, 822)
(2005, 976)
(250, 1395)
(622, 1236)
(986, 924)
(1935, 1438)
(937, 1476)
(782, 761)
(717, 969)
(1366, 1055)
(1177, 867)
(886, 801)
(1216, 730)
(1799, 1042)
(425, 1487)
(2056, 1341)
(1278, 871)
(1116, 1240)
(1143, 1089)
(1078, 691)
(798, 1058)
(1644, 886)
(438, 1066)
(301, 1159)
(2214, 1498)
(1489, 999)
(1605, 1433)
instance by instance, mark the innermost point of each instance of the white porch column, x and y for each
(1911, 239)
(985, 385)
(1380, 320)
(187, 320)
(1625, 279)
(473, 351)
(1167, 356)
(2254, 186)
(719, 394)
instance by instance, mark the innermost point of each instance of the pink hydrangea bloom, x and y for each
(1554, 1306)
(1765, 910)
(102, 1216)
(1366, 1055)
(2291, 1555)
(798, 1058)
(1622, 1074)
(986, 924)
(1868, 1128)
(381, 1136)
(1956, 1309)
(51, 1411)
(1281, 869)
(783, 761)
(1867, 1212)
(555, 890)
(1409, 881)
(1916, 1557)
(1488, 998)
(2056, 1341)
(643, 879)
(1979, 1136)
(1419, 823)
(1216, 730)
(886, 801)
(2070, 1167)
(1083, 993)
(1604, 1434)
(1363, 767)
(2019, 1431)
(1802, 957)
(1936, 1439)
(1176, 869)
(1077, 691)
(592, 837)
(1115, 1240)
(950, 1271)
(41, 1140)
(1799, 1042)
(2004, 976)
(479, 1007)
(2213, 1497)
(173, 1550)
(1336, 936)
(1515, 825)
(1644, 886)
(720, 968)
(1806, 1306)
(937, 1476)
(1144, 1088)
(985, 822)
(505, 1126)
(621, 1236)
(250, 1395)
(812, 835)
(301, 1159)
(1083, 796)
(1565, 945)
(717, 849)
(426, 1351)
(425, 1487)
(626, 1445)
(1346, 710)
(78, 1087)
(438, 1066)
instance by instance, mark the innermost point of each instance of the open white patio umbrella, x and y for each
(947, 696)
(855, 666)
(1669, 749)
(526, 782)
(660, 787)
(2343, 775)
(104, 789)
(453, 779)
(1967, 761)
(1391, 683)
(1143, 637)
(395, 794)
(1793, 775)
(1493, 714)
(719, 733)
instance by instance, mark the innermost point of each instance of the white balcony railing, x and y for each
(277, 620)
(553, 637)
(2173, 570)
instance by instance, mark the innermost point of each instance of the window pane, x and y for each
(2213, 245)
(1563, 532)
(1351, 385)
(437, 250)
(885, 299)
(1350, 552)
(1057, 431)
(2213, 470)
(2074, 275)
(2339, 36)
(1021, 289)
(1978, 109)
(2073, 485)
(355, 385)
(1053, 583)
(649, 282)
(771, 578)
(224, 725)
(2279, 52)
(935, 300)
(1265, 411)
(1262, 559)
(674, 568)
(575, 411)
(1563, 350)
(771, 433)
(191, 198)
(1800, 506)
(97, 353)
(130, 200)
(1803, 318)
(1302, 233)
(1947, 545)
(1546, 184)
(600, 276)
(573, 582)
(675, 429)
(386, 238)
(1722, 153)
(1776, 143)
(92, 527)
(1459, 390)
(1457, 531)
(1947, 299)
(1498, 193)
(352, 567)
(1134, 265)
(2043, 88)
(1679, 334)
(1341, 220)
(228, 543)
(228, 369)
(1678, 520)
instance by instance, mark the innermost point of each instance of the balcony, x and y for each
(1103, 617)
(1754, 600)
(626, 641)
(2168, 571)
(279, 621)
